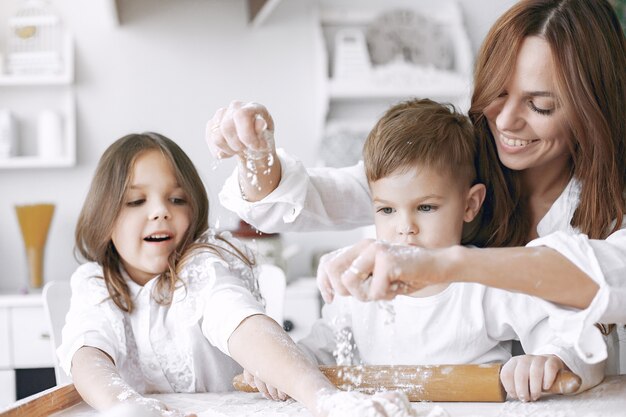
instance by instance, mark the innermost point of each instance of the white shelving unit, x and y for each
(27, 95)
(355, 91)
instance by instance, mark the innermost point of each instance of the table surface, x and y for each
(607, 399)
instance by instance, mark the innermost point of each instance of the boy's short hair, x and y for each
(421, 132)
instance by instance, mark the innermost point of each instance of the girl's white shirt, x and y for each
(306, 200)
(181, 347)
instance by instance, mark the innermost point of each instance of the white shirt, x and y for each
(465, 323)
(307, 200)
(182, 347)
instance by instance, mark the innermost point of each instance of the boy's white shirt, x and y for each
(306, 200)
(182, 347)
(465, 323)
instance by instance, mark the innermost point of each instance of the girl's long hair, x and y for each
(104, 201)
(589, 52)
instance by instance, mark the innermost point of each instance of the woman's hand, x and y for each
(268, 391)
(238, 127)
(525, 377)
(374, 270)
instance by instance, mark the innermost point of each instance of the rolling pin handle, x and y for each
(566, 382)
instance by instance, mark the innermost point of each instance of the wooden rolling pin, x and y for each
(447, 383)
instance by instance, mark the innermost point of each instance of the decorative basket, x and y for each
(35, 40)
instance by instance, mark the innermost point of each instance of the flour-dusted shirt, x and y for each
(182, 347)
(306, 200)
(464, 324)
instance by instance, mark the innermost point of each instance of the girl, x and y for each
(164, 305)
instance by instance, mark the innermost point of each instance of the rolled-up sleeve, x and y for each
(305, 200)
(605, 262)
(226, 302)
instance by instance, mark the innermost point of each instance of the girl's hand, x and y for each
(525, 377)
(268, 391)
(374, 270)
(235, 128)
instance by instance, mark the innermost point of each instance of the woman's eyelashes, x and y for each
(542, 111)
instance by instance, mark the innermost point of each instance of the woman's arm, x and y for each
(277, 193)
(538, 271)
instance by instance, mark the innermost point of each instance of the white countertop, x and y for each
(607, 399)
(21, 300)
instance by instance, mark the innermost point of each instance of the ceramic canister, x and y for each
(49, 135)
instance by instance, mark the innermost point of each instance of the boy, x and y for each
(420, 165)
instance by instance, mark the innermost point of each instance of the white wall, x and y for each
(167, 68)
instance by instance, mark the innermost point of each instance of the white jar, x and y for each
(49, 135)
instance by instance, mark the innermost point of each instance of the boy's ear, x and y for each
(474, 201)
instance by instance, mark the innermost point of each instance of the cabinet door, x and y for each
(5, 355)
(7, 388)
(31, 345)
(302, 306)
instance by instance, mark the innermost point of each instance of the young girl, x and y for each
(164, 304)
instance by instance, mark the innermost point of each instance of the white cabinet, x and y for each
(302, 308)
(26, 97)
(7, 388)
(24, 340)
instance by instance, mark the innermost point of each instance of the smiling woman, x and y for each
(549, 94)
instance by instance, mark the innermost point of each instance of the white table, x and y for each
(607, 399)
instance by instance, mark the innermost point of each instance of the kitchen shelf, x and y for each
(25, 96)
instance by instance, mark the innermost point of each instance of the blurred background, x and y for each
(77, 75)
(168, 65)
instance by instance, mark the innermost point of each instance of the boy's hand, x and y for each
(525, 377)
(268, 391)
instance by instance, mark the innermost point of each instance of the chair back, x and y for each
(272, 284)
(56, 302)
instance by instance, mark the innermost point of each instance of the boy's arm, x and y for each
(99, 383)
(528, 318)
(276, 360)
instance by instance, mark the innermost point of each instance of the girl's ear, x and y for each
(473, 202)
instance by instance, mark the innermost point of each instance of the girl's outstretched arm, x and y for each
(262, 347)
(99, 383)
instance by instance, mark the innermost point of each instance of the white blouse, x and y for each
(306, 200)
(181, 347)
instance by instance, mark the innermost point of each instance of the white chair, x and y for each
(56, 302)
(272, 283)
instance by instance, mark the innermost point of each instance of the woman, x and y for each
(550, 89)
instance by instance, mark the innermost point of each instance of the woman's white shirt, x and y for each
(331, 199)
(182, 347)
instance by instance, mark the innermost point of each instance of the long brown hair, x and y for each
(104, 201)
(589, 51)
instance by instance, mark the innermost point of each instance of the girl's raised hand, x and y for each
(525, 377)
(236, 128)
